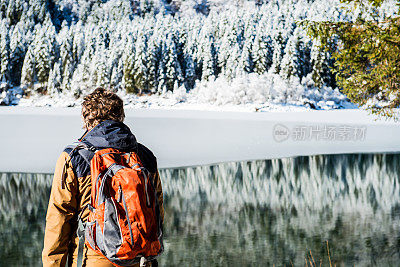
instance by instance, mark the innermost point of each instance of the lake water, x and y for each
(257, 213)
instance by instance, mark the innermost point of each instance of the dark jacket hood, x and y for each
(111, 134)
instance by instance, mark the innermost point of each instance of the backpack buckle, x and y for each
(81, 229)
(143, 262)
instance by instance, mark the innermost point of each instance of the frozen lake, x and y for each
(32, 138)
(274, 210)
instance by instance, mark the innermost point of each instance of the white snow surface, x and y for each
(33, 138)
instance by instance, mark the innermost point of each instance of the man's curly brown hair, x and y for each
(101, 105)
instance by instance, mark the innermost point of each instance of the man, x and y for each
(103, 115)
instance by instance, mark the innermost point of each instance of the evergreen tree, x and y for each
(146, 7)
(153, 58)
(129, 67)
(247, 63)
(367, 55)
(210, 60)
(28, 75)
(14, 11)
(173, 69)
(84, 9)
(67, 59)
(115, 61)
(44, 57)
(4, 52)
(320, 66)
(101, 72)
(231, 69)
(78, 43)
(17, 54)
(262, 53)
(162, 70)
(3, 9)
(190, 74)
(55, 79)
(117, 74)
(141, 68)
(279, 45)
(291, 61)
(83, 77)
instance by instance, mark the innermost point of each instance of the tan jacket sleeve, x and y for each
(60, 212)
(160, 195)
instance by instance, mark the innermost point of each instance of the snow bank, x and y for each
(32, 138)
(248, 92)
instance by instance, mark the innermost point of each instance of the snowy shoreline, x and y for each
(33, 138)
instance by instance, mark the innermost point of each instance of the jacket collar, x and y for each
(110, 134)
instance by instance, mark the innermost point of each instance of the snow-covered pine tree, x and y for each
(162, 70)
(116, 49)
(67, 59)
(247, 62)
(28, 68)
(262, 52)
(17, 54)
(128, 66)
(14, 11)
(82, 75)
(44, 57)
(117, 75)
(279, 44)
(141, 66)
(320, 72)
(84, 9)
(78, 44)
(232, 68)
(3, 9)
(210, 60)
(190, 74)
(101, 72)
(224, 52)
(4, 52)
(172, 65)
(153, 58)
(38, 8)
(290, 65)
(146, 7)
(55, 78)
(296, 61)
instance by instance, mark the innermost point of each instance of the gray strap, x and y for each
(81, 235)
(127, 217)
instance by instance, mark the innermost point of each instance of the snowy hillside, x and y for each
(171, 53)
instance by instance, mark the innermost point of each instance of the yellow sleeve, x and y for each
(60, 212)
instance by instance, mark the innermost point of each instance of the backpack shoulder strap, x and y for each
(85, 151)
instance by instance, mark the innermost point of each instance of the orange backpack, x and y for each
(124, 223)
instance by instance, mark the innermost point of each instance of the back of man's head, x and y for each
(101, 105)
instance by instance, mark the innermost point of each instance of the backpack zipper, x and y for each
(119, 194)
